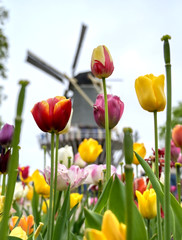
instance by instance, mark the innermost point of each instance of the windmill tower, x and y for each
(83, 89)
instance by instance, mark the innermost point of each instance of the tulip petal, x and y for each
(93, 234)
(158, 86)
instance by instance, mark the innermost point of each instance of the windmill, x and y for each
(83, 89)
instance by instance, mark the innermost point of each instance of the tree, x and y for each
(3, 42)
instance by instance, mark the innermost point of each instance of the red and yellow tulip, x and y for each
(101, 62)
(53, 114)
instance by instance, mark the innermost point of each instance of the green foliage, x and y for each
(3, 42)
(176, 118)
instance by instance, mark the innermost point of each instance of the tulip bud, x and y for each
(177, 135)
(115, 110)
(89, 150)
(65, 155)
(147, 203)
(75, 198)
(150, 92)
(6, 135)
(140, 149)
(101, 62)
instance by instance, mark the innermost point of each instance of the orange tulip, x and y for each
(26, 223)
(177, 135)
(53, 114)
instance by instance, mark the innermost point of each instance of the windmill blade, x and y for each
(83, 30)
(39, 63)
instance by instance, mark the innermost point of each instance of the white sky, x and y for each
(50, 29)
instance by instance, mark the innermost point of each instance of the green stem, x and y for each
(50, 213)
(45, 149)
(167, 220)
(56, 169)
(178, 181)
(108, 145)
(148, 228)
(14, 160)
(129, 200)
(159, 229)
(4, 184)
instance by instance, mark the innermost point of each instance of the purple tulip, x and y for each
(4, 158)
(115, 110)
(6, 135)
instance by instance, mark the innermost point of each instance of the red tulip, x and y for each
(53, 114)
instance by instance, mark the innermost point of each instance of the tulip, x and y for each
(2, 200)
(52, 115)
(45, 206)
(147, 203)
(26, 223)
(140, 149)
(73, 176)
(20, 191)
(24, 174)
(177, 135)
(68, 125)
(75, 198)
(29, 195)
(41, 187)
(79, 161)
(111, 229)
(19, 233)
(4, 159)
(101, 62)
(96, 173)
(115, 110)
(89, 150)
(175, 151)
(65, 155)
(150, 92)
(139, 185)
(6, 135)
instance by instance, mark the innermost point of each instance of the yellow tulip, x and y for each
(41, 187)
(75, 198)
(29, 195)
(150, 92)
(147, 203)
(2, 200)
(111, 229)
(19, 233)
(89, 150)
(140, 149)
(45, 206)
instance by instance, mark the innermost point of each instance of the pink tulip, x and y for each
(73, 176)
(175, 151)
(96, 173)
(115, 110)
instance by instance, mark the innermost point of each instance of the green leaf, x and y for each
(117, 199)
(35, 206)
(160, 194)
(14, 238)
(117, 204)
(102, 201)
(92, 219)
(62, 218)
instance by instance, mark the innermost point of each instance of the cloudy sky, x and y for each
(50, 29)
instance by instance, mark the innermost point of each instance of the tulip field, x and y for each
(74, 198)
